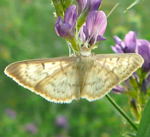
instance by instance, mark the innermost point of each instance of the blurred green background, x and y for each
(27, 32)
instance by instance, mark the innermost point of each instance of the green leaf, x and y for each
(144, 128)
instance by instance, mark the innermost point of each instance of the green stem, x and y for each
(132, 5)
(121, 111)
(74, 44)
(58, 7)
(112, 10)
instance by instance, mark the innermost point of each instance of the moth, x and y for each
(64, 79)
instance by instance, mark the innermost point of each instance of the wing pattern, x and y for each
(108, 71)
(53, 79)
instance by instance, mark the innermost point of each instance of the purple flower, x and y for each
(88, 4)
(11, 113)
(118, 89)
(62, 122)
(94, 28)
(143, 48)
(128, 45)
(65, 28)
(31, 128)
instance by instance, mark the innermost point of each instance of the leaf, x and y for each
(144, 127)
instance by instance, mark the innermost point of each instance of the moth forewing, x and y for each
(108, 71)
(30, 73)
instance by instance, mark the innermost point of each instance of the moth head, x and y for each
(85, 51)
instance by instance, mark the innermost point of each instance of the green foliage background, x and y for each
(27, 32)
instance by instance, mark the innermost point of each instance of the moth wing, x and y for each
(54, 79)
(108, 71)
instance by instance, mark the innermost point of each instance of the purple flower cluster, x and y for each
(92, 29)
(137, 85)
(131, 44)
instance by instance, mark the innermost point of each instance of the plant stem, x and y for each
(121, 111)
(74, 44)
(112, 10)
(58, 7)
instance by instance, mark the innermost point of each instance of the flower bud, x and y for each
(118, 89)
(65, 28)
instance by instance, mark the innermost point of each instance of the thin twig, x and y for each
(112, 10)
(132, 5)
